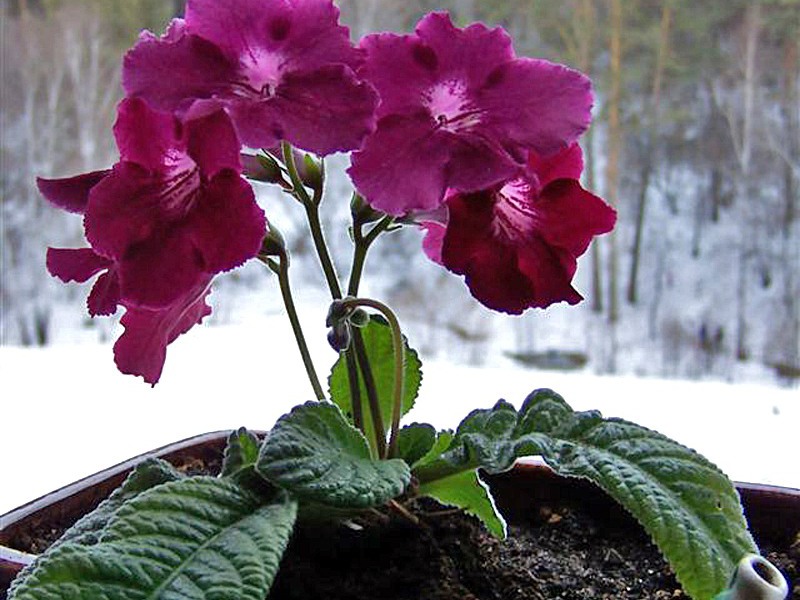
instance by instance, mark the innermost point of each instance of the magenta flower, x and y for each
(172, 213)
(284, 70)
(517, 244)
(460, 112)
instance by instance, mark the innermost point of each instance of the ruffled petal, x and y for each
(406, 68)
(566, 164)
(294, 34)
(211, 140)
(569, 216)
(477, 163)
(149, 138)
(105, 295)
(433, 240)
(173, 71)
(124, 209)
(226, 225)
(162, 269)
(75, 264)
(324, 111)
(70, 193)
(401, 167)
(536, 103)
(142, 349)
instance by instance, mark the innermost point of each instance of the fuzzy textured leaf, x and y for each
(466, 491)
(317, 455)
(377, 336)
(686, 504)
(241, 452)
(192, 539)
(415, 441)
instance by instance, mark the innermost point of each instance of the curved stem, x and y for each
(281, 269)
(399, 355)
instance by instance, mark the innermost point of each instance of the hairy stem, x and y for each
(361, 246)
(372, 393)
(281, 269)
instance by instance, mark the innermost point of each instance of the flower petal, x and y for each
(211, 139)
(158, 271)
(226, 225)
(149, 138)
(75, 264)
(142, 349)
(401, 167)
(326, 110)
(70, 193)
(302, 34)
(566, 164)
(569, 216)
(173, 71)
(105, 295)
(537, 104)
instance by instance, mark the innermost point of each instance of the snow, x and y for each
(68, 412)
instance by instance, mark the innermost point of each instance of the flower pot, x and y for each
(531, 488)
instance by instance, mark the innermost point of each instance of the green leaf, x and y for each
(146, 475)
(466, 491)
(686, 504)
(415, 441)
(377, 337)
(317, 455)
(197, 538)
(241, 452)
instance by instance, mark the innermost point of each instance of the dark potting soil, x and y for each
(561, 550)
(561, 553)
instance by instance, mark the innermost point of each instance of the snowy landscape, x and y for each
(691, 323)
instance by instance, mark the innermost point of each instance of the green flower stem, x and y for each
(361, 246)
(399, 355)
(355, 390)
(281, 269)
(372, 393)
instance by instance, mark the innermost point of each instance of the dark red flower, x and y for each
(169, 216)
(517, 245)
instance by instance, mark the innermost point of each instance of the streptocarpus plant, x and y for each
(450, 132)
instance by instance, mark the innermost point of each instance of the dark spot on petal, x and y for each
(279, 28)
(496, 77)
(425, 56)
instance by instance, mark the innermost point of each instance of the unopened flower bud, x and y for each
(339, 336)
(362, 212)
(273, 244)
(261, 167)
(359, 318)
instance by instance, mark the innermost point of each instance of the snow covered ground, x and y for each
(68, 413)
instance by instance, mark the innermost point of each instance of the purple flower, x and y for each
(459, 111)
(284, 70)
(517, 244)
(171, 214)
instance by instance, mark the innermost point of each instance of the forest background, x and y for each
(696, 142)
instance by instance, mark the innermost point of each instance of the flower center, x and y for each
(261, 69)
(179, 191)
(514, 215)
(450, 107)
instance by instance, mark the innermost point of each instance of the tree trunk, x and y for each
(649, 150)
(614, 151)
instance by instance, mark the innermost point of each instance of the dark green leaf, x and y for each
(686, 504)
(317, 455)
(415, 441)
(197, 538)
(241, 452)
